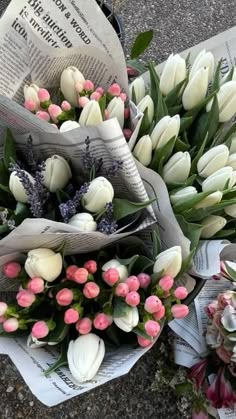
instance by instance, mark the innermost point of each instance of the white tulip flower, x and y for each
(83, 221)
(204, 59)
(211, 225)
(143, 150)
(43, 263)
(196, 89)
(177, 168)
(210, 200)
(169, 262)
(219, 180)
(231, 210)
(167, 128)
(69, 126)
(99, 194)
(213, 160)
(116, 109)
(183, 195)
(69, 77)
(31, 93)
(226, 97)
(232, 161)
(56, 174)
(122, 269)
(232, 148)
(128, 322)
(137, 89)
(91, 114)
(174, 72)
(147, 103)
(16, 186)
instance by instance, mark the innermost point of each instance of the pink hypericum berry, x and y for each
(25, 298)
(2, 319)
(64, 297)
(158, 315)
(132, 72)
(83, 101)
(44, 116)
(71, 316)
(114, 90)
(144, 280)
(39, 330)
(143, 342)
(152, 304)
(91, 266)
(30, 105)
(79, 87)
(65, 106)
(102, 321)
(166, 282)
(132, 298)
(80, 275)
(152, 328)
(10, 325)
(100, 90)
(54, 111)
(133, 283)
(181, 293)
(70, 271)
(122, 290)
(91, 290)
(179, 311)
(43, 95)
(84, 326)
(3, 308)
(36, 285)
(88, 85)
(126, 113)
(111, 276)
(127, 133)
(95, 96)
(123, 97)
(11, 269)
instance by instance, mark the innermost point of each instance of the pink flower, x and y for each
(44, 116)
(30, 105)
(91, 290)
(220, 393)
(84, 326)
(179, 311)
(211, 309)
(133, 283)
(111, 276)
(3, 308)
(10, 325)
(197, 373)
(70, 271)
(11, 269)
(88, 85)
(122, 290)
(2, 319)
(100, 90)
(25, 298)
(40, 330)
(132, 299)
(71, 316)
(64, 297)
(54, 111)
(132, 72)
(114, 90)
(166, 282)
(83, 100)
(144, 280)
(181, 293)
(80, 275)
(126, 113)
(123, 97)
(36, 285)
(158, 315)
(102, 321)
(143, 342)
(226, 298)
(95, 96)
(152, 304)
(79, 87)
(152, 328)
(91, 266)
(43, 95)
(65, 106)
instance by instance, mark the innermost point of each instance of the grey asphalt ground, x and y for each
(178, 24)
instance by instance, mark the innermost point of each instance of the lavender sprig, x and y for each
(29, 155)
(70, 208)
(115, 167)
(107, 224)
(90, 162)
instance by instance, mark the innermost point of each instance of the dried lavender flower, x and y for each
(69, 208)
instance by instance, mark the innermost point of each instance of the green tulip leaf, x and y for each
(124, 207)
(224, 233)
(4, 174)
(120, 308)
(201, 213)
(145, 124)
(154, 85)
(190, 230)
(141, 43)
(189, 202)
(217, 77)
(207, 124)
(185, 123)
(61, 362)
(142, 264)
(162, 154)
(128, 261)
(175, 110)
(198, 155)
(187, 263)
(4, 229)
(140, 332)
(181, 146)
(173, 98)
(161, 109)
(174, 187)
(102, 103)
(59, 333)
(9, 152)
(230, 271)
(156, 241)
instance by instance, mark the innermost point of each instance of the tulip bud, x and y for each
(83, 101)
(196, 89)
(166, 129)
(70, 271)
(11, 269)
(43, 95)
(177, 168)
(169, 262)
(203, 60)
(226, 97)
(219, 180)
(70, 76)
(231, 210)
(95, 96)
(43, 263)
(137, 90)
(232, 149)
(213, 160)
(31, 93)
(55, 112)
(99, 194)
(122, 270)
(143, 150)
(211, 225)
(56, 174)
(232, 161)
(183, 195)
(173, 73)
(147, 103)
(83, 221)
(16, 186)
(129, 321)
(116, 109)
(91, 114)
(212, 199)
(68, 126)
(85, 356)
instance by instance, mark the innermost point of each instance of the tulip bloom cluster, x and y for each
(83, 104)
(90, 298)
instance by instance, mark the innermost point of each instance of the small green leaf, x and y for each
(145, 124)
(161, 109)
(61, 362)
(172, 98)
(9, 152)
(140, 332)
(59, 333)
(185, 123)
(141, 43)
(102, 104)
(190, 202)
(198, 155)
(181, 146)
(142, 264)
(217, 77)
(128, 261)
(162, 154)
(156, 241)
(175, 110)
(230, 75)
(201, 213)
(190, 230)
(174, 187)
(224, 233)
(124, 207)
(120, 308)
(231, 272)
(154, 85)
(4, 174)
